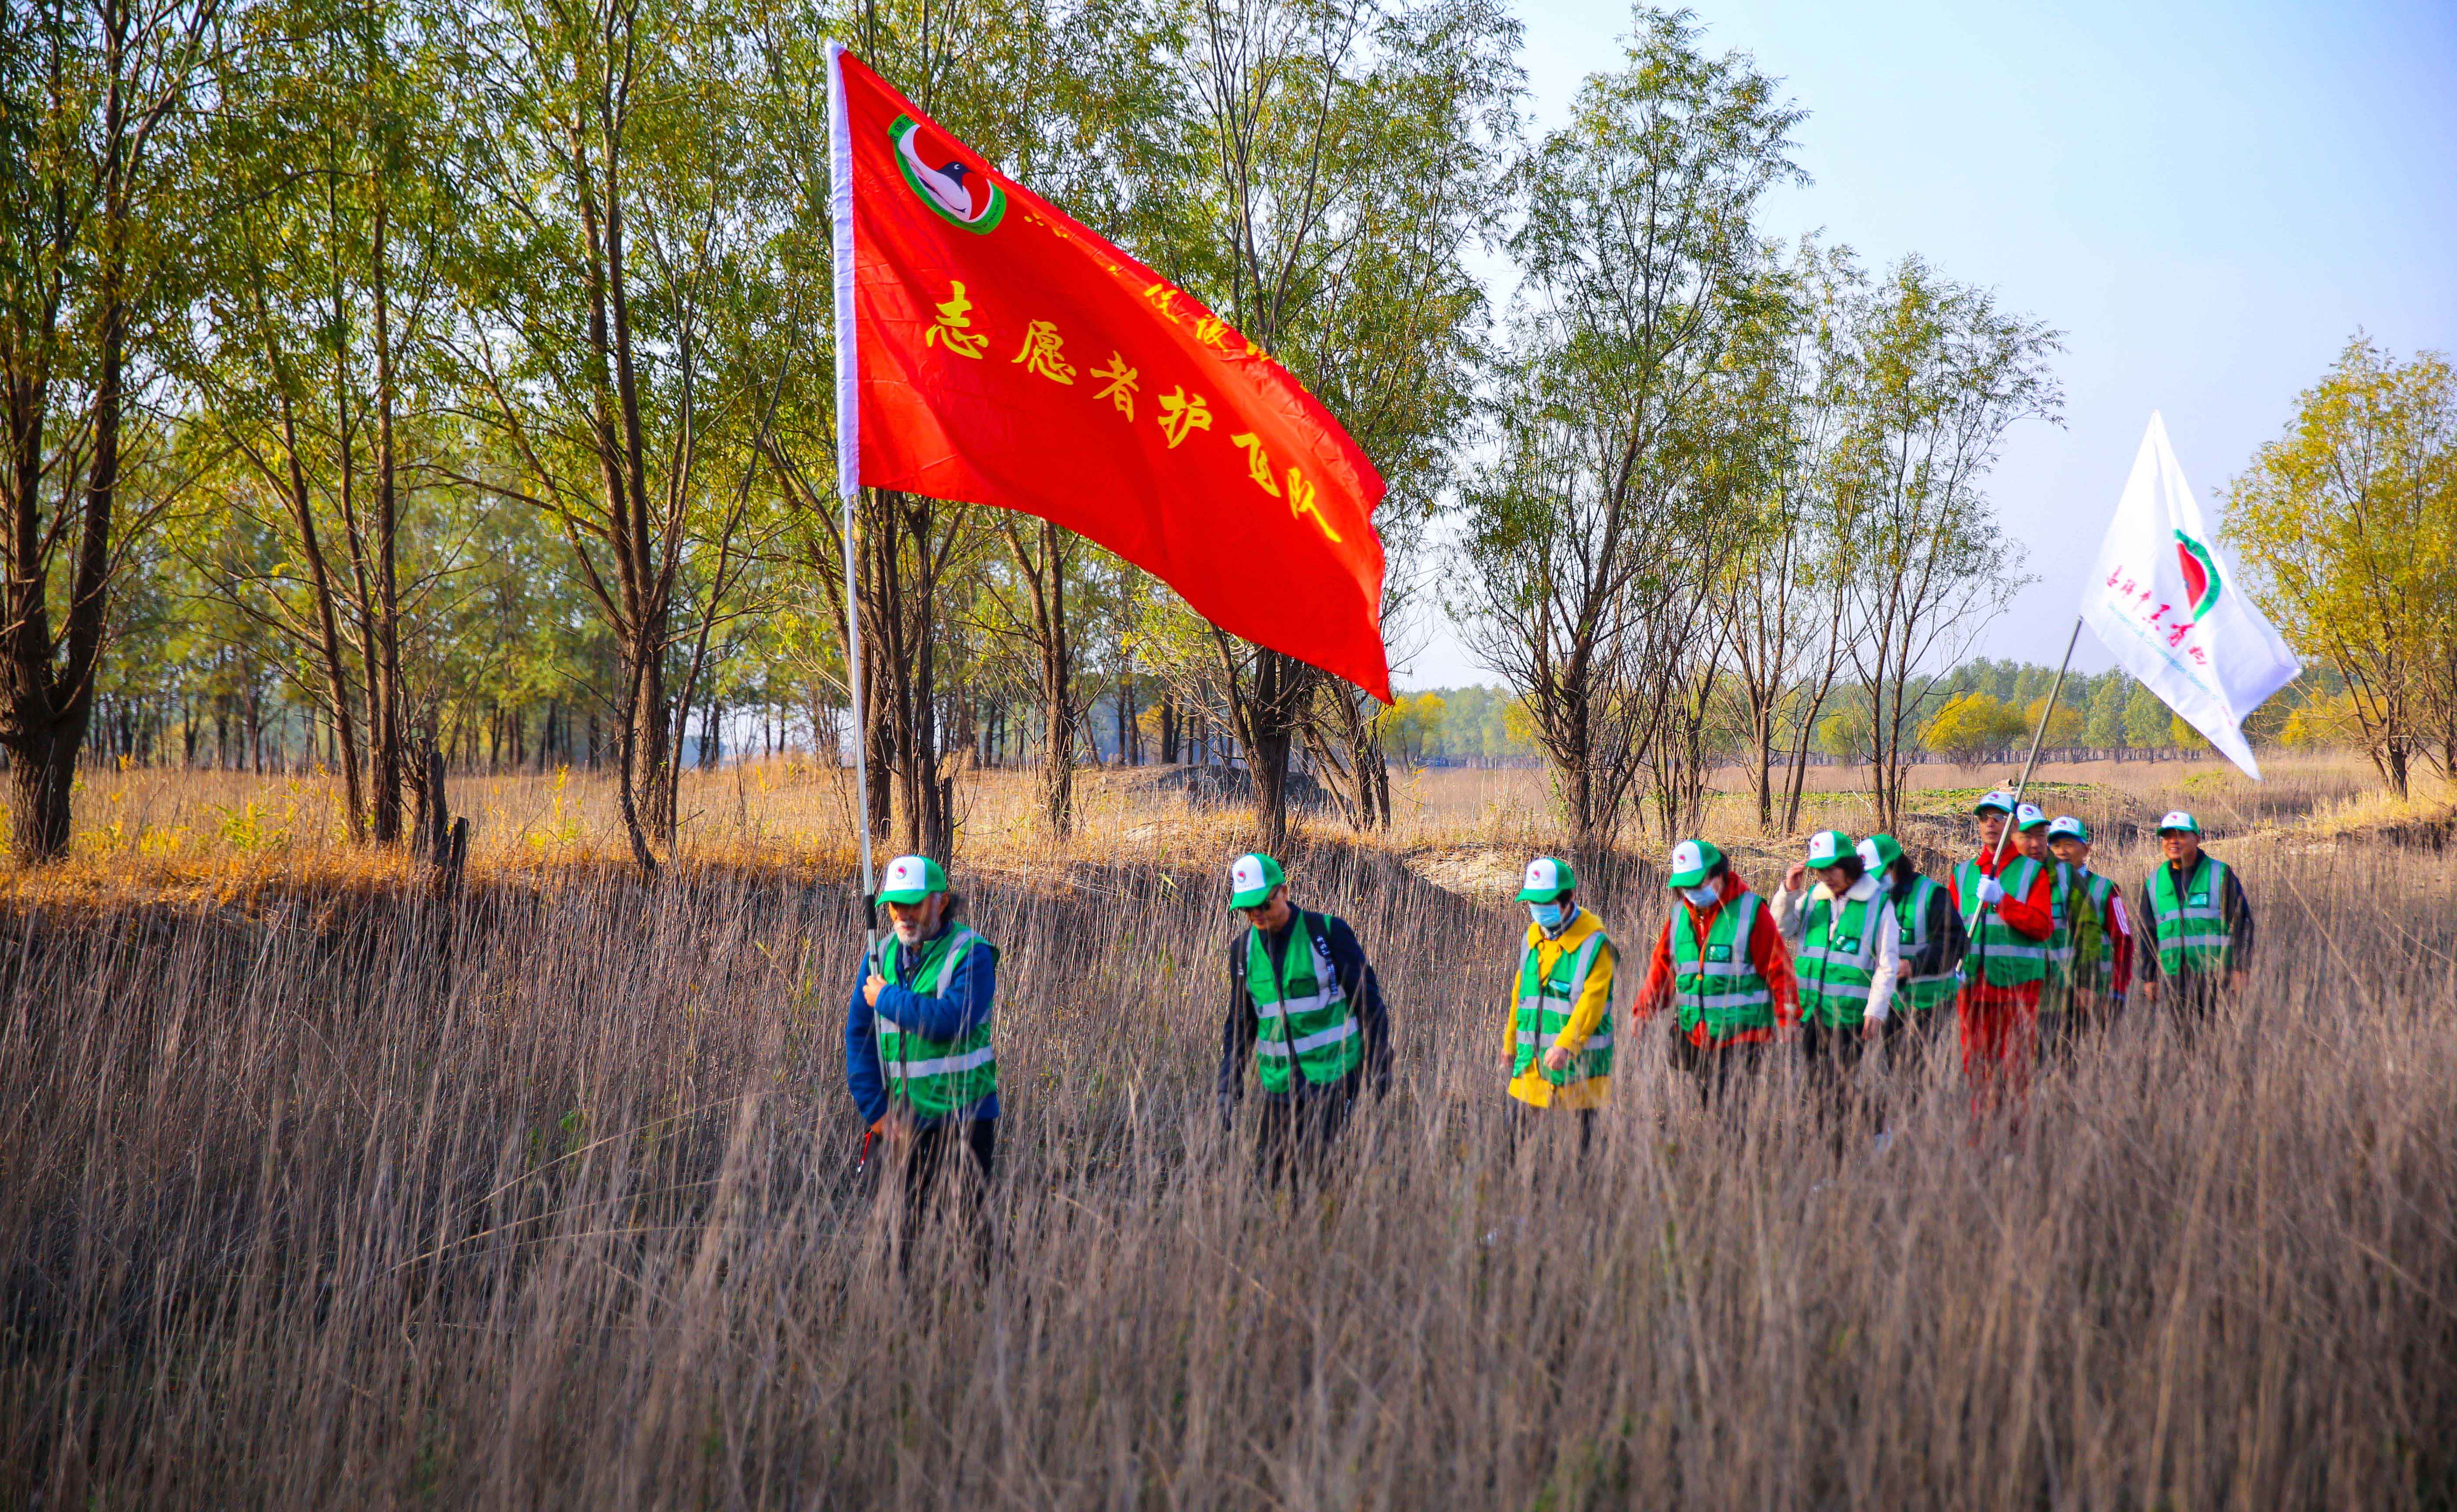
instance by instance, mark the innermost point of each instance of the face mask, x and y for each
(1703, 897)
(1547, 916)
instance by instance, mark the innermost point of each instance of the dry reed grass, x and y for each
(543, 1200)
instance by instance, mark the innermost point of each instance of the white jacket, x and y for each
(1791, 919)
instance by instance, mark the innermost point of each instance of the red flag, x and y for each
(1001, 354)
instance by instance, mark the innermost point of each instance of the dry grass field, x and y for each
(315, 1192)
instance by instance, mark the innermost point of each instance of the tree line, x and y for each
(393, 385)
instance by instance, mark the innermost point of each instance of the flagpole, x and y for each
(2038, 738)
(848, 458)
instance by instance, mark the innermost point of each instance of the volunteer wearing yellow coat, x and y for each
(1557, 1034)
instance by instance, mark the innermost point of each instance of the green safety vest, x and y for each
(1837, 962)
(2192, 929)
(1544, 1008)
(2008, 959)
(2102, 893)
(934, 1078)
(2060, 942)
(1302, 1011)
(1920, 994)
(1718, 984)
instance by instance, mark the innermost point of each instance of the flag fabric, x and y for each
(992, 350)
(2173, 611)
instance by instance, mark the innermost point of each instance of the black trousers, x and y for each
(963, 1153)
(1296, 1135)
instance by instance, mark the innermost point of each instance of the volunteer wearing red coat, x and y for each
(2008, 903)
(1721, 964)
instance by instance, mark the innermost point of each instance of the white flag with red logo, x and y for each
(2173, 611)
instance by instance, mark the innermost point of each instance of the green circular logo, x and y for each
(961, 193)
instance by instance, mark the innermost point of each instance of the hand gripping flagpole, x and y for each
(848, 458)
(2038, 738)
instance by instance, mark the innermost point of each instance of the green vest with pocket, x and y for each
(1545, 1005)
(1921, 994)
(2191, 926)
(2008, 959)
(1301, 1011)
(1837, 962)
(1717, 983)
(934, 1078)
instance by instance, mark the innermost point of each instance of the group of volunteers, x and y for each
(2028, 945)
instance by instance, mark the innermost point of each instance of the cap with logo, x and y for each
(910, 879)
(1880, 851)
(2064, 826)
(2180, 822)
(2000, 800)
(1548, 878)
(1691, 861)
(2029, 816)
(1252, 878)
(1825, 847)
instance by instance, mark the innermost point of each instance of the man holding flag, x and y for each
(2007, 902)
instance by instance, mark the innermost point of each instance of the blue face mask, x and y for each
(1548, 917)
(1703, 897)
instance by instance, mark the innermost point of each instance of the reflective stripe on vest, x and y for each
(2191, 928)
(1544, 1009)
(1835, 973)
(2102, 892)
(1717, 983)
(1938, 988)
(1301, 1011)
(2007, 959)
(934, 1077)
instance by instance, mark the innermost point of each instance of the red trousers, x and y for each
(2000, 1040)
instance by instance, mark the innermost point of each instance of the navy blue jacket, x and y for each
(1357, 978)
(965, 1004)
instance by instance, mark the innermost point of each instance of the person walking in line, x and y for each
(1929, 954)
(2074, 938)
(1721, 965)
(919, 1059)
(1845, 951)
(1559, 1034)
(2197, 925)
(1306, 1006)
(2007, 902)
(2101, 981)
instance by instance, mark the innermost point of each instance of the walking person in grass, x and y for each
(2102, 978)
(2198, 923)
(919, 1057)
(1559, 1034)
(1721, 967)
(1929, 950)
(1306, 1006)
(2007, 902)
(2075, 938)
(1845, 948)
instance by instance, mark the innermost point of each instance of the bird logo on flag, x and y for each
(943, 189)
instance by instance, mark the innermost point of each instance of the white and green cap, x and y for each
(2000, 800)
(2029, 816)
(2178, 819)
(2065, 826)
(1251, 876)
(1880, 851)
(1826, 847)
(1548, 878)
(910, 879)
(1691, 861)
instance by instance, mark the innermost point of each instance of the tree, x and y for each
(2064, 726)
(2103, 725)
(2349, 525)
(1592, 550)
(1943, 374)
(1969, 727)
(2146, 721)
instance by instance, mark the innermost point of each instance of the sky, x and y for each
(2207, 201)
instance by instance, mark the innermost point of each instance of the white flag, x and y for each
(2173, 611)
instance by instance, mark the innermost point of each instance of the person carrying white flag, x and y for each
(2172, 611)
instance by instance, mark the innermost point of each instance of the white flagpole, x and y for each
(849, 457)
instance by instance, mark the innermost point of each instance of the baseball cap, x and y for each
(1253, 877)
(1691, 861)
(910, 879)
(2000, 800)
(1880, 851)
(2178, 819)
(2065, 826)
(1825, 847)
(2029, 816)
(1547, 877)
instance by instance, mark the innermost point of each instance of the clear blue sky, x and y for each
(2206, 199)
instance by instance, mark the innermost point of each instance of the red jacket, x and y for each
(1766, 952)
(2033, 917)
